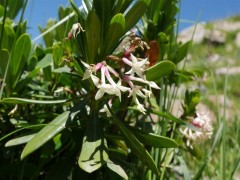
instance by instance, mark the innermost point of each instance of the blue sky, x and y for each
(39, 11)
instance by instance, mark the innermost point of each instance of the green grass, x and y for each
(224, 161)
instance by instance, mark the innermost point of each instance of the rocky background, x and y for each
(216, 49)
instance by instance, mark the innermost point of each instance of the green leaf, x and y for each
(117, 169)
(75, 8)
(19, 140)
(181, 52)
(93, 31)
(45, 62)
(153, 139)
(115, 32)
(215, 143)
(64, 69)
(14, 8)
(18, 59)
(135, 13)
(93, 154)
(195, 151)
(88, 4)
(159, 70)
(45, 134)
(20, 54)
(31, 101)
(1, 11)
(184, 168)
(4, 54)
(8, 38)
(168, 116)
(136, 147)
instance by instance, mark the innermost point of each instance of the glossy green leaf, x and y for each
(4, 54)
(168, 116)
(46, 134)
(45, 62)
(19, 140)
(64, 69)
(93, 30)
(117, 26)
(93, 154)
(159, 70)
(117, 169)
(195, 151)
(20, 54)
(154, 140)
(135, 13)
(137, 148)
(18, 59)
(181, 52)
(1, 11)
(14, 8)
(8, 38)
(88, 4)
(75, 8)
(31, 101)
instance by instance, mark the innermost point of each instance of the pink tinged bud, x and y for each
(70, 35)
(197, 122)
(113, 71)
(76, 29)
(98, 66)
(109, 78)
(103, 69)
(126, 61)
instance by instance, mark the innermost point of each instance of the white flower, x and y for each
(137, 66)
(76, 29)
(128, 79)
(139, 106)
(111, 87)
(153, 85)
(106, 110)
(111, 90)
(136, 90)
(104, 88)
(202, 122)
(88, 72)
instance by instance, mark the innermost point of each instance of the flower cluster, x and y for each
(203, 123)
(132, 76)
(129, 78)
(106, 83)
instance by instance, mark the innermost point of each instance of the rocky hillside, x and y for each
(216, 50)
(214, 32)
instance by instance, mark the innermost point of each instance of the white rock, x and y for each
(187, 33)
(227, 26)
(229, 71)
(237, 40)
